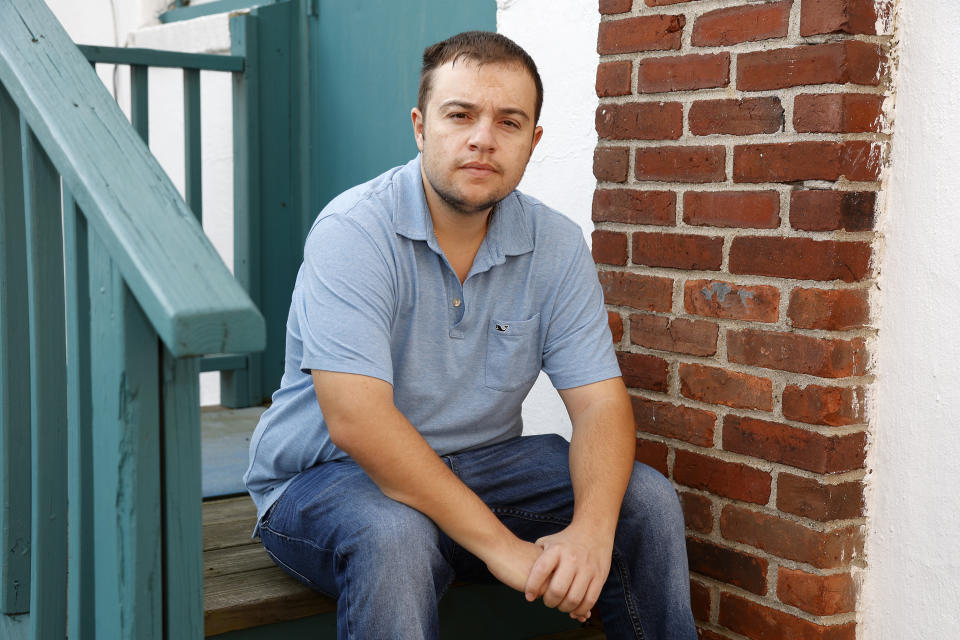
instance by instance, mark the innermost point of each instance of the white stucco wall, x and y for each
(561, 36)
(912, 584)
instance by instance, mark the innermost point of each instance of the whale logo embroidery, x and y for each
(502, 328)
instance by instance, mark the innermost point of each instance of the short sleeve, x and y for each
(578, 348)
(345, 301)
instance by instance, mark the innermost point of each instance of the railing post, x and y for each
(80, 585)
(14, 371)
(193, 175)
(182, 495)
(126, 461)
(242, 387)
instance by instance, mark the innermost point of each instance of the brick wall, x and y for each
(739, 163)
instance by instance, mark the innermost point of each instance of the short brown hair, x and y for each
(482, 47)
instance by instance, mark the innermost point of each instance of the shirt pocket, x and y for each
(513, 353)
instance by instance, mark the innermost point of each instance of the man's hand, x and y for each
(570, 572)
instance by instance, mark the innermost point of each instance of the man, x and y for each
(429, 299)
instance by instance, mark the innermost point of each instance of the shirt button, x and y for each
(457, 302)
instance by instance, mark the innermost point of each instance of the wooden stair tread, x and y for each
(243, 588)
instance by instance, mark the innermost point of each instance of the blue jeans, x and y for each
(388, 564)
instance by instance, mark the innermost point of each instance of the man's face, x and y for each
(477, 134)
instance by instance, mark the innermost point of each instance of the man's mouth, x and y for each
(479, 168)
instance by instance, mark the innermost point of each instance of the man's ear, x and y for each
(537, 134)
(416, 117)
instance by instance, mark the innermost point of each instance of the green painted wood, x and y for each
(140, 101)
(15, 627)
(48, 391)
(242, 387)
(191, 144)
(80, 585)
(159, 58)
(190, 296)
(182, 518)
(223, 362)
(14, 372)
(209, 8)
(126, 409)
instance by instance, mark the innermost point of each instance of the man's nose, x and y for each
(482, 136)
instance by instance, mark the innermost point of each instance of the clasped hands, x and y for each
(568, 569)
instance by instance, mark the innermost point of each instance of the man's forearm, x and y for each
(601, 460)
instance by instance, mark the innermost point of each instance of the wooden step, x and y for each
(243, 588)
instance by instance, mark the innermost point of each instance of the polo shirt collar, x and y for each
(510, 232)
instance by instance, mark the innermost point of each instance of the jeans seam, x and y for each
(529, 515)
(310, 583)
(634, 616)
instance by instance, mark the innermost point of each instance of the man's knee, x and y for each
(651, 498)
(397, 534)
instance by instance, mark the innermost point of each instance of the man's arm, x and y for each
(575, 562)
(363, 421)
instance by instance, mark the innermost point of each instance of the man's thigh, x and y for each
(334, 514)
(525, 481)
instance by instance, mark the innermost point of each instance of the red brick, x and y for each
(830, 309)
(683, 73)
(861, 160)
(642, 371)
(794, 447)
(707, 634)
(615, 6)
(610, 247)
(837, 16)
(800, 354)
(640, 121)
(643, 33)
(736, 117)
(681, 164)
(615, 323)
(700, 601)
(800, 258)
(808, 498)
(837, 113)
(697, 511)
(661, 3)
(819, 595)
(727, 479)
(717, 299)
(741, 24)
(693, 337)
(856, 160)
(637, 291)
(787, 162)
(727, 565)
(635, 207)
(831, 406)
(757, 622)
(652, 454)
(828, 210)
(743, 209)
(677, 251)
(613, 78)
(730, 388)
(830, 63)
(611, 164)
(674, 421)
(789, 539)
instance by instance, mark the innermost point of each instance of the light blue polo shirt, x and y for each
(376, 296)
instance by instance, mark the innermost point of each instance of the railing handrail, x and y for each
(157, 58)
(191, 299)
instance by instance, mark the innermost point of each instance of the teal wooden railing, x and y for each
(109, 296)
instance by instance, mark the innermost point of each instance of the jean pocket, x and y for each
(513, 353)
